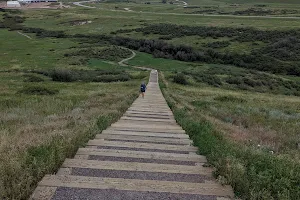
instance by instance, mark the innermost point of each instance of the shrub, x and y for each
(180, 79)
(230, 99)
(33, 78)
(38, 90)
(67, 75)
(63, 75)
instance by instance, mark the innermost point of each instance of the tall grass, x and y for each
(254, 174)
(39, 132)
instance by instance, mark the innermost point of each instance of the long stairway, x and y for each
(143, 156)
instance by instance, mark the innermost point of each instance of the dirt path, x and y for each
(24, 35)
(144, 155)
(122, 62)
(183, 2)
(79, 3)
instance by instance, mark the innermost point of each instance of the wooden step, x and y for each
(145, 134)
(145, 139)
(136, 166)
(136, 185)
(149, 113)
(132, 118)
(146, 126)
(146, 130)
(186, 148)
(142, 154)
(147, 116)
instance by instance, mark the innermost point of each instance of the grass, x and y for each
(248, 147)
(56, 125)
(42, 121)
(250, 137)
(39, 53)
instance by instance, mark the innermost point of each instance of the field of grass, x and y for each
(252, 138)
(244, 8)
(51, 103)
(59, 90)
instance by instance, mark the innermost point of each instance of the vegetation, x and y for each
(231, 81)
(180, 79)
(278, 56)
(251, 159)
(46, 114)
(33, 78)
(66, 75)
(38, 90)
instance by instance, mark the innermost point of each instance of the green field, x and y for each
(233, 82)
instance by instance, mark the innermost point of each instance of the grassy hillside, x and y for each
(233, 78)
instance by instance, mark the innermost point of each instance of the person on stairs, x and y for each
(143, 89)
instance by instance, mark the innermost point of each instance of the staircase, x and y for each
(143, 156)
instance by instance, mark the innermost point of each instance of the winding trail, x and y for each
(145, 155)
(183, 2)
(122, 62)
(79, 3)
(24, 35)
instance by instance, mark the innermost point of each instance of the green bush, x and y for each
(67, 75)
(180, 79)
(33, 78)
(230, 99)
(63, 75)
(38, 90)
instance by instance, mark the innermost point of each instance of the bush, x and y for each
(67, 75)
(32, 78)
(229, 99)
(180, 79)
(63, 75)
(38, 90)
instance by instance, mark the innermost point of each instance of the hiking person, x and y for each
(143, 89)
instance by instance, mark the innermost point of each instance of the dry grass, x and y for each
(264, 121)
(32, 126)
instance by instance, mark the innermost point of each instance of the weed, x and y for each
(33, 78)
(38, 90)
(180, 79)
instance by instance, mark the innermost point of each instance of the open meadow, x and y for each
(228, 69)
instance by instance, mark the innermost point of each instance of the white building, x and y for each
(36, 1)
(13, 4)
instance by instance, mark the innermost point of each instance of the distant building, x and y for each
(13, 4)
(36, 1)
